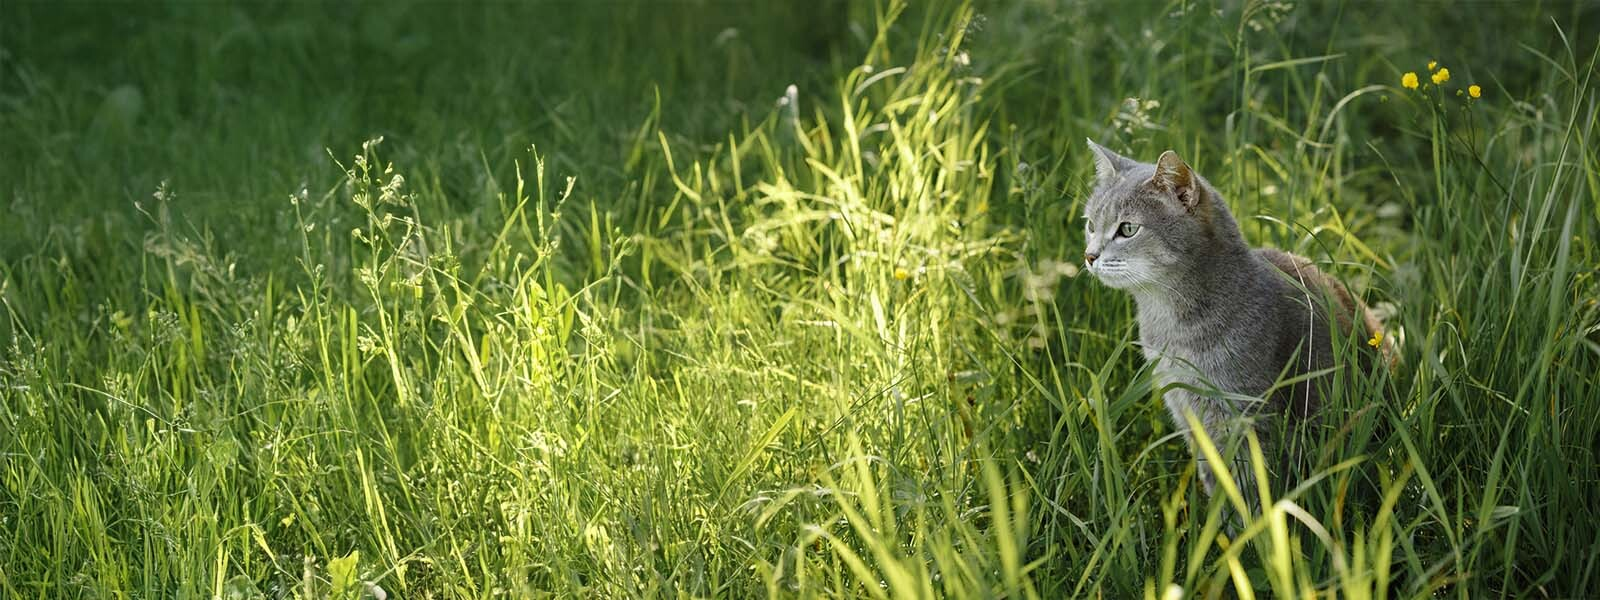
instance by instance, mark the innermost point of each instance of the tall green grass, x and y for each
(701, 302)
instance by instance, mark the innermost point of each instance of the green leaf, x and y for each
(342, 571)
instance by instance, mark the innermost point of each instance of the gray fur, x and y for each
(1213, 312)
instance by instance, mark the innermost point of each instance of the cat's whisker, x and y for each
(1151, 279)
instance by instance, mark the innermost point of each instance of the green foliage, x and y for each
(342, 573)
(707, 299)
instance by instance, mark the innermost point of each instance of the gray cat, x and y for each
(1216, 315)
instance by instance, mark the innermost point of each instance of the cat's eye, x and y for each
(1127, 230)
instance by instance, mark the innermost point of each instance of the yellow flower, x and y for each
(1441, 76)
(1475, 91)
(1377, 338)
(1432, 64)
(1409, 80)
(902, 274)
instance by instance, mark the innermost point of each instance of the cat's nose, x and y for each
(1088, 258)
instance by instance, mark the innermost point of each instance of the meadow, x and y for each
(715, 299)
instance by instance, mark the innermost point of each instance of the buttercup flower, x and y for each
(902, 274)
(1409, 80)
(1475, 91)
(1377, 338)
(1441, 76)
(1432, 64)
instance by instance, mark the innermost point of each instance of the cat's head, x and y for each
(1147, 225)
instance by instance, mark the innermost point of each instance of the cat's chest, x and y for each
(1225, 353)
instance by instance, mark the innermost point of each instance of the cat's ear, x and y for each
(1106, 163)
(1175, 177)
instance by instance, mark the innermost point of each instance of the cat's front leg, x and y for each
(1181, 406)
(1224, 427)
